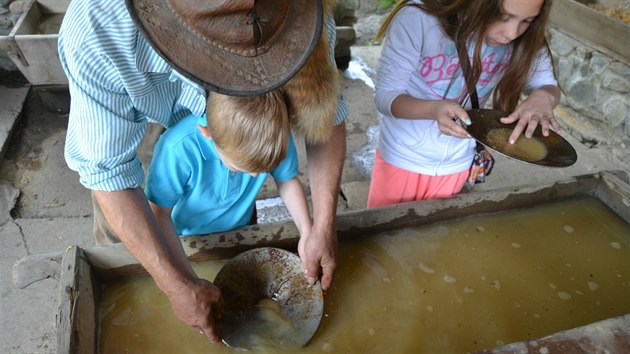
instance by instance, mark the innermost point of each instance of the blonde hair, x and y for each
(253, 132)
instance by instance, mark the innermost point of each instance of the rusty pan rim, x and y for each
(267, 273)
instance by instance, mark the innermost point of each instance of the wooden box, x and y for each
(32, 43)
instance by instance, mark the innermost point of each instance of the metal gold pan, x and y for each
(551, 151)
(269, 276)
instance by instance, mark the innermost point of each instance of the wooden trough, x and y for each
(84, 270)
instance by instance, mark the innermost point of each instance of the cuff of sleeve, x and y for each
(126, 176)
(384, 100)
(342, 111)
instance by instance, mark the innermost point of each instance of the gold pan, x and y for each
(551, 151)
(268, 301)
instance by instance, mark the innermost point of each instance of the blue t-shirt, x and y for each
(187, 174)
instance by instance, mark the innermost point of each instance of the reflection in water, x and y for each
(268, 329)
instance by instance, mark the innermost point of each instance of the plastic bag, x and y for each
(481, 166)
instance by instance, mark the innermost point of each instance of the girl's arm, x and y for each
(443, 112)
(400, 57)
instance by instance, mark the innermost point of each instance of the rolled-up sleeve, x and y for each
(103, 129)
(111, 98)
(342, 107)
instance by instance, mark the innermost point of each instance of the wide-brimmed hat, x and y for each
(234, 47)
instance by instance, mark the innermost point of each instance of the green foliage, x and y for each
(385, 4)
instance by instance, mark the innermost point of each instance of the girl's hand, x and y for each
(445, 113)
(536, 109)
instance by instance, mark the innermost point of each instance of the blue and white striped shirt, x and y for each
(117, 84)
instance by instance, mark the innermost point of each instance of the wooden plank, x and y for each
(44, 67)
(586, 24)
(86, 322)
(35, 55)
(54, 6)
(27, 23)
(76, 315)
(67, 301)
(608, 336)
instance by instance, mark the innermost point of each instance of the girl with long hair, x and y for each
(435, 55)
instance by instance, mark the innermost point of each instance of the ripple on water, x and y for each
(449, 279)
(564, 295)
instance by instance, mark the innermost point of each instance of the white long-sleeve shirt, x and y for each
(419, 60)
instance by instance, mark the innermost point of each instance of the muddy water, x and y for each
(49, 23)
(444, 288)
(525, 149)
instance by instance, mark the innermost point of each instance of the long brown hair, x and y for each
(463, 20)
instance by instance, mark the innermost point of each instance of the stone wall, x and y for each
(594, 84)
(592, 59)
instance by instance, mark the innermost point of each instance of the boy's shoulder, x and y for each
(182, 131)
(288, 168)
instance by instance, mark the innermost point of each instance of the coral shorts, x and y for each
(393, 185)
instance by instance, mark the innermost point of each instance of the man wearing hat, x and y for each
(140, 61)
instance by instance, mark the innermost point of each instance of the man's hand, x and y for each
(318, 252)
(195, 301)
(319, 249)
(199, 305)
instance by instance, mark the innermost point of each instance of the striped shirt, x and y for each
(118, 84)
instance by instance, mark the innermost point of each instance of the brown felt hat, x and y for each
(234, 47)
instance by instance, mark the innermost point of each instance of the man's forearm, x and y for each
(163, 216)
(130, 216)
(325, 164)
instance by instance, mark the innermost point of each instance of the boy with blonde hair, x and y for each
(206, 171)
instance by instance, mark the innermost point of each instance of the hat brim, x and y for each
(224, 71)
